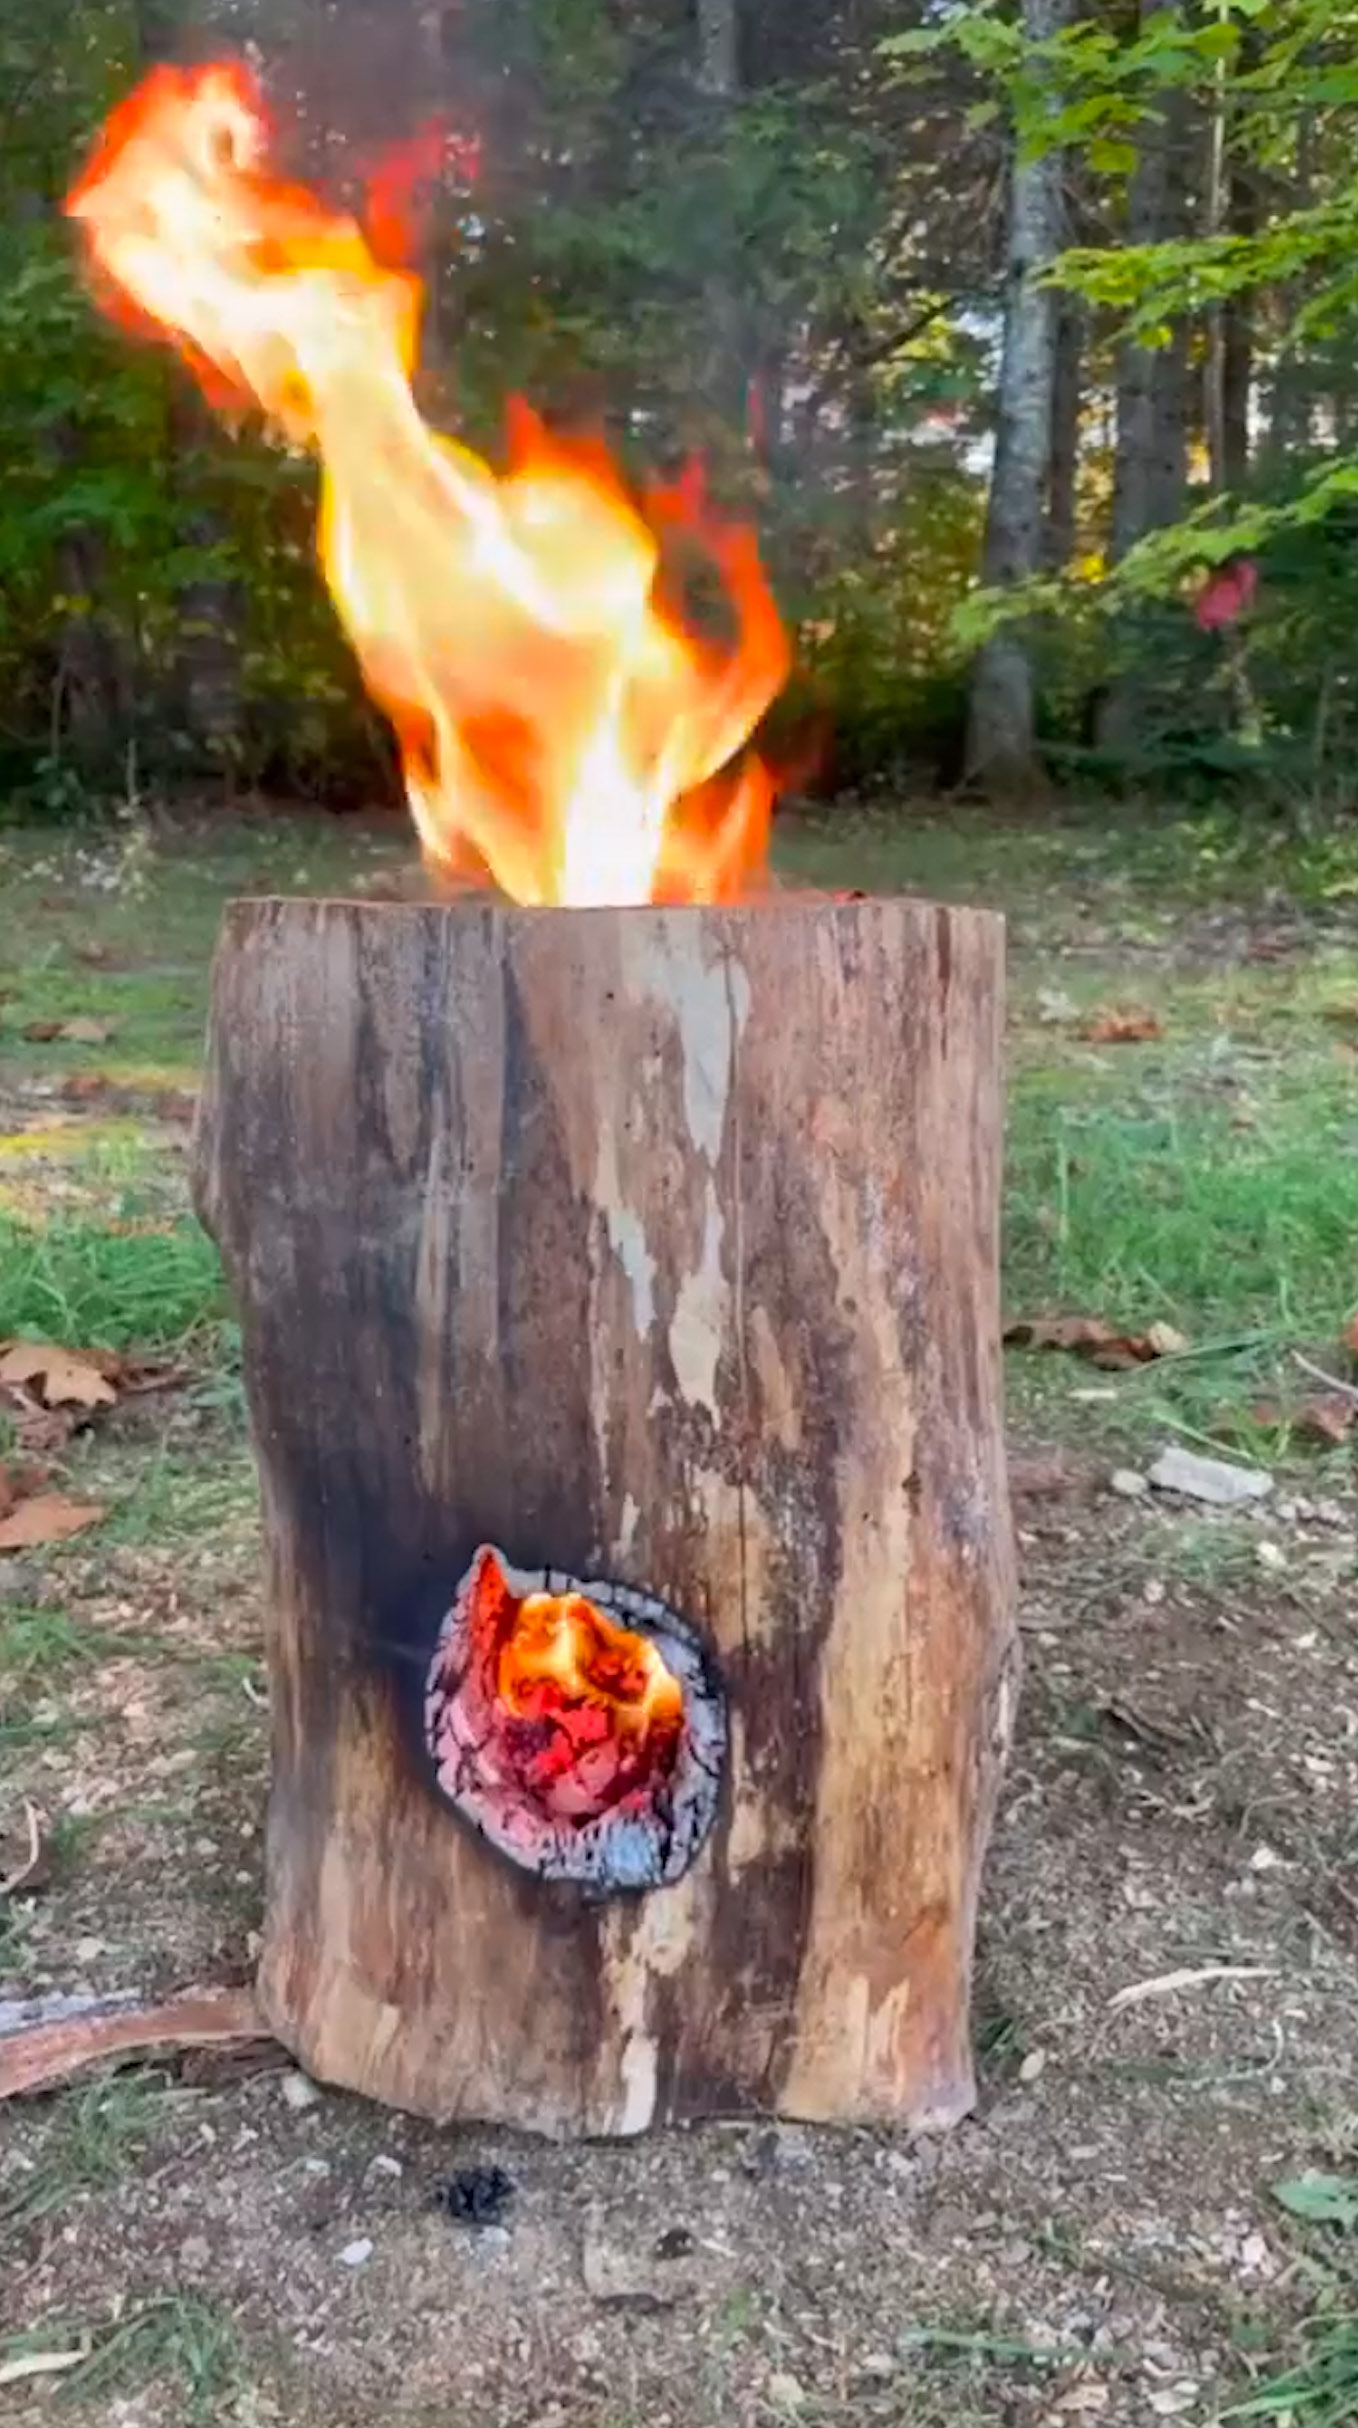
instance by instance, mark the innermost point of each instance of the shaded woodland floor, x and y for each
(1152, 2215)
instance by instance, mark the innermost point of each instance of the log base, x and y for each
(657, 1247)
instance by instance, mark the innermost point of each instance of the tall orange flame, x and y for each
(563, 732)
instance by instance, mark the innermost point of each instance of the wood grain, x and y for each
(657, 1245)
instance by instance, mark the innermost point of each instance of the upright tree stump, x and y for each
(655, 1247)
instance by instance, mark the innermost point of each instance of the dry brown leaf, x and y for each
(19, 1484)
(1351, 1337)
(48, 1518)
(1325, 1416)
(65, 1378)
(1089, 1336)
(81, 1030)
(1121, 1028)
(85, 1031)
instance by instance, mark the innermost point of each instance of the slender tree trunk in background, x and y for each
(727, 352)
(1154, 387)
(1237, 350)
(1001, 735)
(92, 703)
(209, 606)
(719, 46)
(1064, 463)
(1290, 403)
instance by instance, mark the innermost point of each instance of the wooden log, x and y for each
(656, 1246)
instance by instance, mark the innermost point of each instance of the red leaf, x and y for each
(1121, 1028)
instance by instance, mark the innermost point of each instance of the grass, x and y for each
(81, 1282)
(93, 2136)
(1319, 2389)
(179, 2340)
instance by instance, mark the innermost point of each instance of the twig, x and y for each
(15, 1880)
(1332, 1382)
(1189, 1977)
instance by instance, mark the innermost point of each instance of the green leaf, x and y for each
(1322, 2200)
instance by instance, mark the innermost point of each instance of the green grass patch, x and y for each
(94, 2135)
(84, 1284)
(1319, 2388)
(178, 2340)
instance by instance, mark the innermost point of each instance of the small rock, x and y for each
(299, 2092)
(18, 1581)
(1129, 1483)
(1271, 1557)
(785, 2392)
(1264, 1859)
(194, 2254)
(382, 2165)
(355, 2254)
(1211, 1480)
(1034, 2063)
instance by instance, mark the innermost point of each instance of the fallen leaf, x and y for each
(27, 2365)
(1327, 1416)
(19, 1484)
(85, 1031)
(1351, 1336)
(1121, 1028)
(48, 1518)
(82, 1030)
(1323, 2200)
(65, 1377)
(1090, 1336)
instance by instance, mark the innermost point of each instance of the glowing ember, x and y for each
(576, 1726)
(562, 732)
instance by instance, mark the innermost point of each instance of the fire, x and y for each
(552, 1701)
(563, 731)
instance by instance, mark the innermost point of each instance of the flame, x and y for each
(563, 731)
(567, 1645)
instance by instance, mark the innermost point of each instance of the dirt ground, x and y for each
(1167, 2009)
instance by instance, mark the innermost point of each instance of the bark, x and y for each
(1291, 401)
(1064, 459)
(719, 46)
(1001, 739)
(657, 1246)
(210, 609)
(1154, 391)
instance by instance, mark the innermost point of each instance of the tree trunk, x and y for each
(1154, 387)
(719, 46)
(658, 1246)
(1291, 398)
(209, 604)
(1064, 464)
(1001, 739)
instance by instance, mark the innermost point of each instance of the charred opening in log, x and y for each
(578, 1727)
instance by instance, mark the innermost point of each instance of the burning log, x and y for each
(621, 1334)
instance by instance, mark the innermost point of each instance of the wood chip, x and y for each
(35, 2056)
